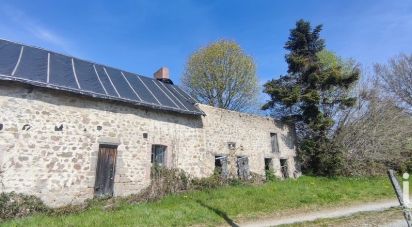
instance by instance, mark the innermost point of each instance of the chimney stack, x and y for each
(163, 75)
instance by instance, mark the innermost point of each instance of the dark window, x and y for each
(158, 155)
(284, 168)
(221, 166)
(268, 164)
(269, 173)
(243, 167)
(274, 142)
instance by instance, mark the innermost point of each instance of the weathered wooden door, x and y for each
(106, 165)
(243, 167)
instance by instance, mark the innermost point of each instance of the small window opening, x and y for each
(58, 128)
(269, 169)
(284, 168)
(221, 166)
(26, 127)
(274, 142)
(231, 145)
(243, 167)
(268, 164)
(158, 155)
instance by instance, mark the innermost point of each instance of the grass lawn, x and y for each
(220, 206)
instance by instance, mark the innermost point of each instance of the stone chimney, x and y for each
(163, 75)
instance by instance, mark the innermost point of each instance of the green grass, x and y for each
(231, 203)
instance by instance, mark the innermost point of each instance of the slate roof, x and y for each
(44, 68)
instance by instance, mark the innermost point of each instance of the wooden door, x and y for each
(243, 167)
(106, 164)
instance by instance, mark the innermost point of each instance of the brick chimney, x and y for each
(163, 75)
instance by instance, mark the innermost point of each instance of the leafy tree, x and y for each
(316, 86)
(222, 75)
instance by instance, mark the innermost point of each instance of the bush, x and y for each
(13, 205)
(213, 181)
(321, 157)
(164, 181)
(269, 175)
(69, 209)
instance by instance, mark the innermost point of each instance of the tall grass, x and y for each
(217, 206)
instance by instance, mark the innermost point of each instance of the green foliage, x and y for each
(14, 205)
(270, 176)
(164, 181)
(317, 85)
(205, 183)
(222, 75)
(237, 202)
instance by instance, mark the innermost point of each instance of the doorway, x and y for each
(269, 173)
(105, 172)
(284, 168)
(268, 164)
(243, 167)
(221, 167)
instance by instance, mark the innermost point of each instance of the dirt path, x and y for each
(397, 223)
(330, 213)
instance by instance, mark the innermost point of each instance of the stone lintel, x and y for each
(109, 141)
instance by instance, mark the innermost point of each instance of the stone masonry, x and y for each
(49, 141)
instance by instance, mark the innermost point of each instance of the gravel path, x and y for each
(397, 223)
(330, 213)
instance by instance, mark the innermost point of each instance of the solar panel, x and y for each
(32, 65)
(87, 77)
(44, 68)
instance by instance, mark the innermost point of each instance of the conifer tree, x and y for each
(309, 94)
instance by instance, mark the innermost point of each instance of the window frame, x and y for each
(268, 164)
(155, 153)
(274, 142)
(223, 169)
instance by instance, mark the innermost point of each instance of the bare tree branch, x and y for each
(396, 77)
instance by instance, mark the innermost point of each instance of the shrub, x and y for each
(164, 181)
(269, 175)
(14, 205)
(69, 209)
(213, 181)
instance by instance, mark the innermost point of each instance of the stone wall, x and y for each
(251, 136)
(59, 166)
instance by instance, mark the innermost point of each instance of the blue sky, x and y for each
(141, 36)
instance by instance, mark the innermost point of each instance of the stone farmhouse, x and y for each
(72, 129)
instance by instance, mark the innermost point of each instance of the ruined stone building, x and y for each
(72, 129)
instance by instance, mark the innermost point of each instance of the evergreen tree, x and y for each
(309, 95)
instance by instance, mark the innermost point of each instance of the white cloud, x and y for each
(18, 22)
